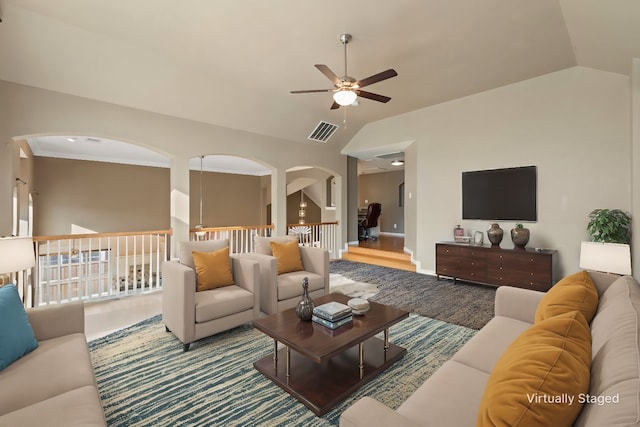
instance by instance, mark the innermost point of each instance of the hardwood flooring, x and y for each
(386, 251)
(384, 242)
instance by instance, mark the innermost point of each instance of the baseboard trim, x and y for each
(387, 233)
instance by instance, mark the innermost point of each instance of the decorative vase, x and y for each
(305, 307)
(520, 237)
(458, 232)
(495, 234)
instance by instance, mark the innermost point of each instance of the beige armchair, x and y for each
(282, 291)
(191, 315)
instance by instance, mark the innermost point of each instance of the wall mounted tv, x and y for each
(500, 194)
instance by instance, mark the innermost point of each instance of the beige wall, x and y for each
(229, 199)
(574, 125)
(383, 188)
(98, 196)
(108, 197)
(26, 111)
(313, 212)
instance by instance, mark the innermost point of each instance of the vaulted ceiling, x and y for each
(233, 62)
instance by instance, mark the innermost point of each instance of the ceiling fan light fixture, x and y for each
(344, 97)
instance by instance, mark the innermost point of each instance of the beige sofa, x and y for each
(54, 385)
(453, 394)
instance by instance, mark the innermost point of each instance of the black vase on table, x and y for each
(305, 307)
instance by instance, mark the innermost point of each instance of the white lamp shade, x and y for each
(606, 257)
(344, 97)
(16, 254)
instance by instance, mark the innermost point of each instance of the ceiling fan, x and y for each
(346, 89)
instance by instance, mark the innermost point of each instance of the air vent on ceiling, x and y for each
(391, 156)
(323, 132)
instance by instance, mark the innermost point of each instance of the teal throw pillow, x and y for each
(16, 335)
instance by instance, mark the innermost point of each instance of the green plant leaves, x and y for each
(609, 226)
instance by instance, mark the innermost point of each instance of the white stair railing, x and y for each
(98, 266)
(241, 238)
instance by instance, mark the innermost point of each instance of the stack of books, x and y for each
(332, 315)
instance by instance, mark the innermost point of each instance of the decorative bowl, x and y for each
(359, 306)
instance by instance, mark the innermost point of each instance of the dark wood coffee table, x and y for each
(321, 367)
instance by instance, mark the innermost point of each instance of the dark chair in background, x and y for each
(370, 221)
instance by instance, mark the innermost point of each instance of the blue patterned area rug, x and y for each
(145, 379)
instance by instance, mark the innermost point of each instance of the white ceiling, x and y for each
(232, 63)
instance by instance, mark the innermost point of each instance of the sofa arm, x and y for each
(517, 303)
(246, 274)
(178, 299)
(268, 273)
(316, 260)
(369, 412)
(54, 321)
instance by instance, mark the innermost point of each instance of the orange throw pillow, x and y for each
(213, 269)
(574, 292)
(540, 377)
(287, 256)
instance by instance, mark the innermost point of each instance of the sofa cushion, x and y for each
(213, 269)
(58, 365)
(485, 348)
(77, 407)
(16, 334)
(290, 284)
(615, 365)
(262, 245)
(574, 292)
(187, 247)
(538, 374)
(222, 302)
(449, 397)
(287, 256)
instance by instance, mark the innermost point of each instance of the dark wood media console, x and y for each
(522, 268)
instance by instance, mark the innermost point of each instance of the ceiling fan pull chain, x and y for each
(344, 121)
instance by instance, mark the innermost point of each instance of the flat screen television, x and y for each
(508, 194)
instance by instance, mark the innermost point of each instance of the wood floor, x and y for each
(387, 251)
(384, 242)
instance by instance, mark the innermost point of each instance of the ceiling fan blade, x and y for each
(335, 105)
(374, 96)
(377, 78)
(330, 74)
(311, 91)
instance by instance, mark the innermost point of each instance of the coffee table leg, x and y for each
(275, 356)
(361, 364)
(288, 363)
(386, 340)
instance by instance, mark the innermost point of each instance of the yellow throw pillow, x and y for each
(541, 376)
(574, 292)
(287, 256)
(213, 269)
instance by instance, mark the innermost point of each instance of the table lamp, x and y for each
(606, 257)
(16, 255)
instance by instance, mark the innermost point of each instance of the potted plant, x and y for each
(609, 226)
(520, 236)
